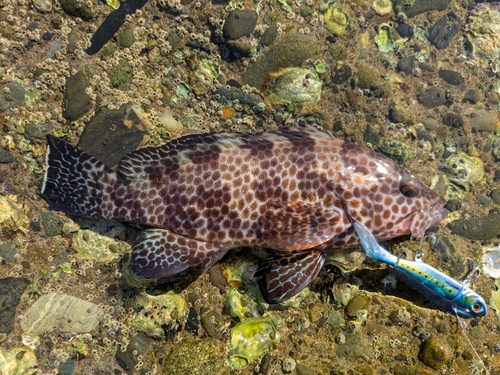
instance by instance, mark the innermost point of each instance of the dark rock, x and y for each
(112, 24)
(269, 36)
(340, 73)
(497, 174)
(420, 6)
(291, 50)
(405, 65)
(432, 98)
(193, 322)
(239, 95)
(12, 290)
(443, 31)
(471, 96)
(426, 67)
(210, 322)
(77, 8)
(11, 95)
(112, 133)
(436, 352)
(9, 251)
(76, 102)
(5, 156)
(239, 23)
(67, 367)
(454, 120)
(495, 195)
(304, 370)
(404, 30)
(483, 201)
(451, 77)
(478, 228)
(138, 345)
(52, 223)
(265, 363)
(39, 130)
(121, 75)
(372, 135)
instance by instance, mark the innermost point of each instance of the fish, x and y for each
(447, 293)
(198, 196)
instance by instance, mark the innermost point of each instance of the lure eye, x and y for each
(476, 307)
(409, 188)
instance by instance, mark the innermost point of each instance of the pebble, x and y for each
(479, 228)
(119, 132)
(444, 30)
(5, 156)
(77, 8)
(432, 98)
(61, 313)
(76, 102)
(369, 78)
(417, 7)
(39, 130)
(454, 120)
(269, 36)
(11, 216)
(288, 365)
(471, 96)
(126, 37)
(121, 75)
(210, 322)
(194, 358)
(42, 6)
(357, 305)
(451, 77)
(239, 23)
(52, 223)
(436, 352)
(495, 195)
(139, 345)
(484, 121)
(193, 322)
(404, 30)
(12, 289)
(304, 370)
(405, 64)
(234, 94)
(11, 95)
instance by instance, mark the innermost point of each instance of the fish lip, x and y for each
(436, 212)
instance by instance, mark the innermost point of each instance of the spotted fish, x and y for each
(293, 191)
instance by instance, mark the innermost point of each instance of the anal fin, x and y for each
(161, 252)
(286, 274)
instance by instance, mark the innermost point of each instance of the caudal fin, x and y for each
(74, 181)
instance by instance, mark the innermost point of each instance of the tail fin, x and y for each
(372, 249)
(74, 181)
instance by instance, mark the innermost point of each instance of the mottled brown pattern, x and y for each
(294, 191)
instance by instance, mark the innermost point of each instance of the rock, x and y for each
(443, 31)
(62, 313)
(356, 346)
(5, 156)
(77, 8)
(11, 216)
(432, 98)
(471, 96)
(117, 131)
(269, 36)
(454, 120)
(451, 77)
(479, 228)
(484, 121)
(340, 73)
(210, 322)
(357, 306)
(435, 352)
(239, 23)
(291, 50)
(495, 195)
(39, 130)
(52, 223)
(417, 7)
(139, 345)
(76, 102)
(121, 75)
(404, 30)
(11, 95)
(126, 37)
(12, 289)
(396, 150)
(405, 65)
(18, 360)
(370, 79)
(234, 94)
(194, 358)
(304, 370)
(42, 6)
(399, 112)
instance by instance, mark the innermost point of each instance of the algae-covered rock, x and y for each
(194, 358)
(62, 313)
(370, 79)
(396, 150)
(18, 360)
(436, 352)
(92, 245)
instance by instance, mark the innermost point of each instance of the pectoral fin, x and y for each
(286, 274)
(160, 252)
(301, 225)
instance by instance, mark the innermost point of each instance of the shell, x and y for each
(464, 170)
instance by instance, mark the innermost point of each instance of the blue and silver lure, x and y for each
(449, 294)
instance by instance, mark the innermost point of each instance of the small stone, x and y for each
(67, 367)
(404, 30)
(210, 322)
(496, 174)
(369, 78)
(126, 37)
(139, 345)
(399, 112)
(435, 352)
(432, 98)
(495, 195)
(11, 216)
(61, 313)
(76, 101)
(193, 322)
(484, 121)
(239, 23)
(405, 65)
(471, 96)
(77, 8)
(451, 77)
(12, 289)
(357, 305)
(340, 73)
(194, 358)
(121, 75)
(11, 95)
(288, 365)
(39, 130)
(42, 6)
(304, 370)
(5, 156)
(444, 30)
(412, 8)
(396, 150)
(52, 223)
(454, 120)
(269, 36)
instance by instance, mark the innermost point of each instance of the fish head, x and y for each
(386, 198)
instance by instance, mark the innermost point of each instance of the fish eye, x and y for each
(409, 188)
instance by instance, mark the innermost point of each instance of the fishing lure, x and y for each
(449, 294)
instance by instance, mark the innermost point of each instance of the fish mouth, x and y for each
(423, 220)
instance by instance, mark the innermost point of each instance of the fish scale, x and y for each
(293, 191)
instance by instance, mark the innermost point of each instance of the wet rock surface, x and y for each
(12, 289)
